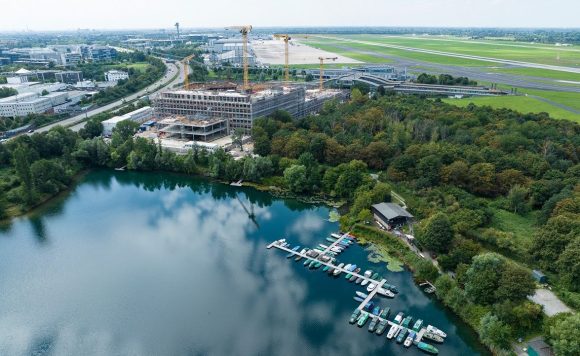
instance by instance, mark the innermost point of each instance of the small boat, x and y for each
(326, 268)
(367, 275)
(299, 257)
(385, 313)
(409, 339)
(312, 263)
(386, 293)
(373, 325)
(352, 268)
(369, 306)
(418, 324)
(392, 332)
(322, 246)
(434, 337)
(335, 235)
(381, 327)
(393, 289)
(307, 261)
(377, 310)
(352, 278)
(354, 316)
(361, 294)
(402, 335)
(407, 321)
(399, 318)
(317, 264)
(292, 253)
(348, 276)
(362, 319)
(359, 299)
(375, 276)
(427, 348)
(358, 280)
(347, 267)
(371, 287)
(330, 240)
(337, 271)
(436, 331)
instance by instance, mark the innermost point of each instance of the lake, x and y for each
(159, 264)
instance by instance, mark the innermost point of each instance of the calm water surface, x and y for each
(151, 264)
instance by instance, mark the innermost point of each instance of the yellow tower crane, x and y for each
(322, 59)
(185, 62)
(244, 30)
(285, 38)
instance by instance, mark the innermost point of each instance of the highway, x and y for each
(78, 122)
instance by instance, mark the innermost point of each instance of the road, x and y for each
(78, 122)
(457, 55)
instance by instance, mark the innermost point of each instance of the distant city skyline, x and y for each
(56, 15)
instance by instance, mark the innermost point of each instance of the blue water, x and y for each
(159, 264)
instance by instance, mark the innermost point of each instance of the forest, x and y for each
(459, 169)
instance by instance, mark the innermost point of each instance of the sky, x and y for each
(41, 15)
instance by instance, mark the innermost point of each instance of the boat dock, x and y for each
(379, 284)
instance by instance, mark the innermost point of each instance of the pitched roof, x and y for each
(23, 71)
(391, 210)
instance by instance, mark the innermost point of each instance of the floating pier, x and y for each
(371, 294)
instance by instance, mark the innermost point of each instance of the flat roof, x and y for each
(391, 210)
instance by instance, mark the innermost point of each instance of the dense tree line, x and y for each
(444, 79)
(6, 92)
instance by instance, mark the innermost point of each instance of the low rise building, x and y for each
(139, 115)
(69, 77)
(24, 104)
(116, 75)
(390, 214)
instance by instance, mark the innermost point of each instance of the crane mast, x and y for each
(285, 38)
(244, 30)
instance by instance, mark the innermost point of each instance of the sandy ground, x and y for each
(552, 305)
(272, 52)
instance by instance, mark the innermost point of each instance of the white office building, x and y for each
(116, 75)
(140, 115)
(24, 104)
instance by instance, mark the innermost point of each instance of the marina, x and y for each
(401, 328)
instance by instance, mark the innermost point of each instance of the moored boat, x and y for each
(399, 318)
(335, 235)
(418, 324)
(375, 276)
(338, 271)
(377, 310)
(371, 287)
(359, 299)
(330, 239)
(369, 306)
(373, 325)
(367, 274)
(317, 264)
(348, 276)
(385, 313)
(299, 257)
(326, 268)
(434, 337)
(407, 321)
(409, 339)
(354, 316)
(436, 331)
(402, 335)
(362, 319)
(312, 263)
(292, 253)
(382, 326)
(358, 280)
(386, 293)
(352, 268)
(308, 260)
(361, 294)
(392, 331)
(427, 348)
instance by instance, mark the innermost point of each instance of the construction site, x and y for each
(205, 112)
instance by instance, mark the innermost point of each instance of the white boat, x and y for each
(338, 271)
(392, 331)
(409, 339)
(386, 293)
(399, 318)
(347, 267)
(368, 274)
(436, 331)
(371, 287)
(323, 246)
(361, 294)
(335, 235)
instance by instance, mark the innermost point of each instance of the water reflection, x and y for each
(140, 265)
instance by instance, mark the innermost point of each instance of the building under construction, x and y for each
(239, 109)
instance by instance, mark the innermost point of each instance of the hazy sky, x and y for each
(20, 15)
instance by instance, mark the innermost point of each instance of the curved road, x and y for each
(78, 122)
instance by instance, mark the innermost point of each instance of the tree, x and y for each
(93, 128)
(45, 92)
(565, 335)
(494, 332)
(126, 129)
(22, 166)
(437, 234)
(48, 176)
(482, 278)
(261, 141)
(482, 179)
(516, 200)
(6, 92)
(295, 177)
(237, 138)
(569, 265)
(515, 283)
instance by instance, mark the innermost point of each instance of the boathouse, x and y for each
(390, 214)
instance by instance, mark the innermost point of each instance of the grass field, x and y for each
(138, 66)
(521, 226)
(568, 57)
(522, 104)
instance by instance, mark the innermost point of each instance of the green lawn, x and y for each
(521, 226)
(519, 103)
(138, 66)
(552, 55)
